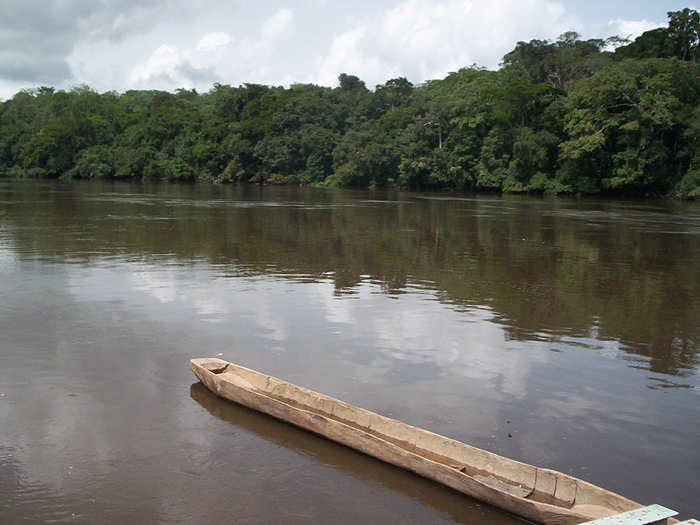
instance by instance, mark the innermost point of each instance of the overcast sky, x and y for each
(168, 44)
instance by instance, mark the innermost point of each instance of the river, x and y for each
(559, 332)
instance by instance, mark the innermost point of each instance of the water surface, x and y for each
(563, 333)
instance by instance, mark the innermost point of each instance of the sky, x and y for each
(169, 44)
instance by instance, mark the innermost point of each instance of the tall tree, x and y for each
(684, 34)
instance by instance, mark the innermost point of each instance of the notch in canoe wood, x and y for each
(651, 515)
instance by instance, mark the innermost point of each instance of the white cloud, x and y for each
(422, 40)
(213, 41)
(215, 58)
(278, 24)
(161, 67)
(631, 28)
(168, 44)
(347, 54)
(169, 67)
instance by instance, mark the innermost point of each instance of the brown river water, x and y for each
(559, 332)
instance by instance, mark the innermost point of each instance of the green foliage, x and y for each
(49, 153)
(684, 34)
(558, 117)
(93, 162)
(559, 64)
(627, 122)
(651, 44)
(689, 186)
(681, 39)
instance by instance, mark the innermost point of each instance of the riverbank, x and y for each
(559, 117)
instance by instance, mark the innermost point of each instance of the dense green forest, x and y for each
(569, 116)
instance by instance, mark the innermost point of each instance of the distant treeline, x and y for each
(570, 116)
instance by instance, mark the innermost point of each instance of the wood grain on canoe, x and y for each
(538, 494)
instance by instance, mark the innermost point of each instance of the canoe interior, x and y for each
(548, 489)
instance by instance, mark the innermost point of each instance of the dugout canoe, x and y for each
(537, 494)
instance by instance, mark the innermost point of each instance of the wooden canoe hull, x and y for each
(541, 495)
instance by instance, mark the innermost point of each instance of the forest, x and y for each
(571, 116)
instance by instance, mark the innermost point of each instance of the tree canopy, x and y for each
(565, 116)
